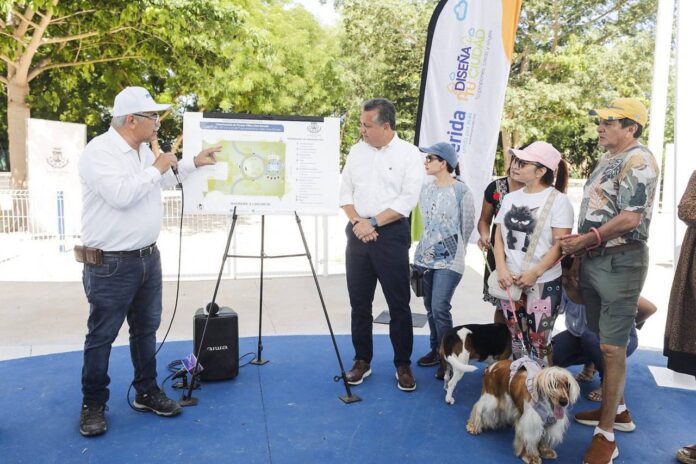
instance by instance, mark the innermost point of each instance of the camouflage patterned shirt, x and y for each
(625, 181)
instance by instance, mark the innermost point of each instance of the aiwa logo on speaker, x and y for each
(217, 348)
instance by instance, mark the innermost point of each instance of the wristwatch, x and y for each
(373, 222)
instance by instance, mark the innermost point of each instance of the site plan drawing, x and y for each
(266, 165)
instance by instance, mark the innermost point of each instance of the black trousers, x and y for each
(384, 260)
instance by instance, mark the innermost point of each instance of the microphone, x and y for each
(165, 146)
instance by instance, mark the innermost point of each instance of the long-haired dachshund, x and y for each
(535, 405)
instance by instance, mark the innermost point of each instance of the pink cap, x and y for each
(540, 152)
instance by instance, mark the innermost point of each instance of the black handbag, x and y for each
(416, 281)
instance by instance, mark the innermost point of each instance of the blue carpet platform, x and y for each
(288, 411)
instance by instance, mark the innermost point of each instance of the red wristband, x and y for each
(598, 237)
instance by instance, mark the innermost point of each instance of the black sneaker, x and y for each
(157, 402)
(92, 420)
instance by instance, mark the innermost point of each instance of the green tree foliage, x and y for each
(67, 60)
(255, 56)
(268, 56)
(571, 56)
(382, 50)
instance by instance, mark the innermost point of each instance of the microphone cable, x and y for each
(178, 282)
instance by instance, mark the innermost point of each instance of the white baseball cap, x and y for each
(133, 100)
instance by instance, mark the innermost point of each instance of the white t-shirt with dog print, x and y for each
(517, 218)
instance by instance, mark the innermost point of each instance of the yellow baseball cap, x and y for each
(630, 108)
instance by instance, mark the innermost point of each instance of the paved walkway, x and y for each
(47, 317)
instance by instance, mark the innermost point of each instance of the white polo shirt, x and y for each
(121, 193)
(376, 179)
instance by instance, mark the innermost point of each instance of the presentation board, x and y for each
(268, 164)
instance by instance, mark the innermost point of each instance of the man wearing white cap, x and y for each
(122, 181)
(613, 229)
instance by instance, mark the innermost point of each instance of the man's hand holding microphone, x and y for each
(165, 161)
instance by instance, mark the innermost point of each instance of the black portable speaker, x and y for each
(219, 354)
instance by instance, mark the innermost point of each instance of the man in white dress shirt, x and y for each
(381, 182)
(122, 181)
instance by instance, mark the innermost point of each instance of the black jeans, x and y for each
(384, 260)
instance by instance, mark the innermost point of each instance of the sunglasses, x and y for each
(430, 158)
(523, 164)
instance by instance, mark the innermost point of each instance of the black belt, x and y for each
(141, 253)
(615, 249)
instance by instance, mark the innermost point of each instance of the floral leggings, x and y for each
(536, 313)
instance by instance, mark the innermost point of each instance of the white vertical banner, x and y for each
(55, 199)
(684, 118)
(660, 84)
(465, 72)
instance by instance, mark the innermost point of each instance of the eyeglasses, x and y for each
(152, 117)
(430, 158)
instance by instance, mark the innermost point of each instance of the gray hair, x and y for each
(118, 121)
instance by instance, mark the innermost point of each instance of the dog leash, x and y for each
(525, 352)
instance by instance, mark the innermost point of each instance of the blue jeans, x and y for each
(569, 350)
(121, 288)
(438, 288)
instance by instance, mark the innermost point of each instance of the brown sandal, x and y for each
(595, 395)
(587, 373)
(687, 454)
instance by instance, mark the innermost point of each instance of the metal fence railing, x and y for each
(27, 219)
(22, 213)
(14, 212)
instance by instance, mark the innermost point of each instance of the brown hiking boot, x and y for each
(405, 379)
(622, 422)
(359, 371)
(601, 451)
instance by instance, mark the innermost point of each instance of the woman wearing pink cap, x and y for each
(526, 252)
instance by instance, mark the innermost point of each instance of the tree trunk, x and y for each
(17, 119)
(506, 137)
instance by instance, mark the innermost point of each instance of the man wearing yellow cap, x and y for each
(612, 237)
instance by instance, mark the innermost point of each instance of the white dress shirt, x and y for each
(121, 193)
(376, 179)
